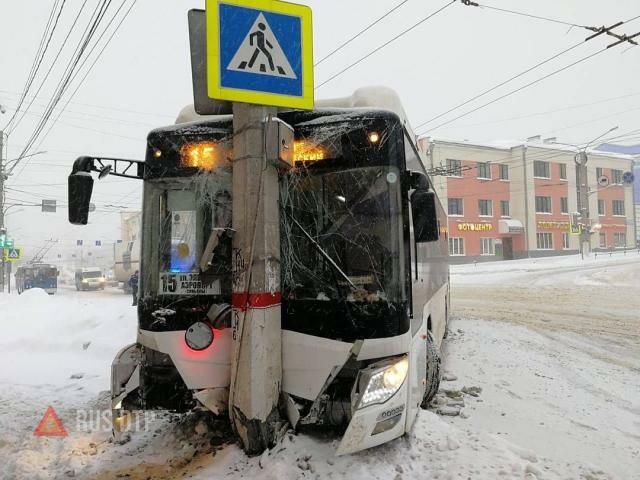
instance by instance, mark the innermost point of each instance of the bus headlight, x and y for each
(199, 336)
(382, 383)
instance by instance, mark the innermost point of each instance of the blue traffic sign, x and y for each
(627, 177)
(260, 51)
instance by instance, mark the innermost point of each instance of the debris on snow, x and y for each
(448, 411)
(449, 377)
(473, 391)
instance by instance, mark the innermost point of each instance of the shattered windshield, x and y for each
(341, 235)
(183, 214)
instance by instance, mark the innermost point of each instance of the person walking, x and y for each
(133, 283)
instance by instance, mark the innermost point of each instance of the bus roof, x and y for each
(365, 98)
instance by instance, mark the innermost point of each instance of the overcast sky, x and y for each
(144, 78)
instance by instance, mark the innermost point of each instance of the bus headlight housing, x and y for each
(381, 383)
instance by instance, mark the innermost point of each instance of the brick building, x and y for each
(515, 200)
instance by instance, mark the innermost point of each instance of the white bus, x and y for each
(364, 274)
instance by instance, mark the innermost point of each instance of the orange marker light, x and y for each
(203, 155)
(304, 151)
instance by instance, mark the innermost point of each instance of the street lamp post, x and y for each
(582, 186)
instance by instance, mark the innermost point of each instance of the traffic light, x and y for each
(575, 223)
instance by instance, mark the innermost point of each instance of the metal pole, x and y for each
(256, 363)
(2, 178)
(582, 192)
(526, 199)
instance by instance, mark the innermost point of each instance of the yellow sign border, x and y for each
(215, 90)
(5, 254)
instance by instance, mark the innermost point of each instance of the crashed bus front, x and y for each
(364, 276)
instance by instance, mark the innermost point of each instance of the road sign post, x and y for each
(259, 56)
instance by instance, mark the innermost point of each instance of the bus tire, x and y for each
(433, 371)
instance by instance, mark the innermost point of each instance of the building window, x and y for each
(504, 172)
(485, 208)
(565, 241)
(454, 167)
(619, 239)
(504, 208)
(564, 205)
(618, 207)
(456, 206)
(616, 177)
(456, 246)
(600, 207)
(563, 171)
(543, 204)
(598, 172)
(603, 240)
(544, 241)
(541, 169)
(484, 170)
(487, 246)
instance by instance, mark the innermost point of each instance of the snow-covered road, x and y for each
(552, 343)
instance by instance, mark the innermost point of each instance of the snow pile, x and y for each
(549, 271)
(44, 339)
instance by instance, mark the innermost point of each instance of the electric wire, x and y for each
(80, 47)
(53, 64)
(388, 42)
(42, 50)
(73, 74)
(535, 17)
(508, 94)
(495, 87)
(98, 56)
(368, 27)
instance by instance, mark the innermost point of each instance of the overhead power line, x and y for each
(368, 27)
(82, 80)
(388, 42)
(46, 76)
(508, 94)
(501, 84)
(546, 112)
(599, 32)
(42, 50)
(63, 82)
(75, 69)
(522, 14)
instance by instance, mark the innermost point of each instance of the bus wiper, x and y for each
(322, 251)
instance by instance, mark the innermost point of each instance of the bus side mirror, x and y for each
(417, 180)
(80, 189)
(425, 218)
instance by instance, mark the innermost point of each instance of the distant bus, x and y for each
(38, 275)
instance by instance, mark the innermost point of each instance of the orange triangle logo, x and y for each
(50, 425)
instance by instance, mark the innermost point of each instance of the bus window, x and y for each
(181, 206)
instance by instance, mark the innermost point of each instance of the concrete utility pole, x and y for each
(257, 359)
(582, 193)
(2, 229)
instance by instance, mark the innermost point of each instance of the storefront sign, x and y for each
(553, 225)
(475, 227)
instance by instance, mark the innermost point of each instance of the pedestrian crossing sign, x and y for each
(12, 254)
(260, 51)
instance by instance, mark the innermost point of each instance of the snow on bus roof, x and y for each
(372, 98)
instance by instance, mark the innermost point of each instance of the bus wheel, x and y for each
(433, 371)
